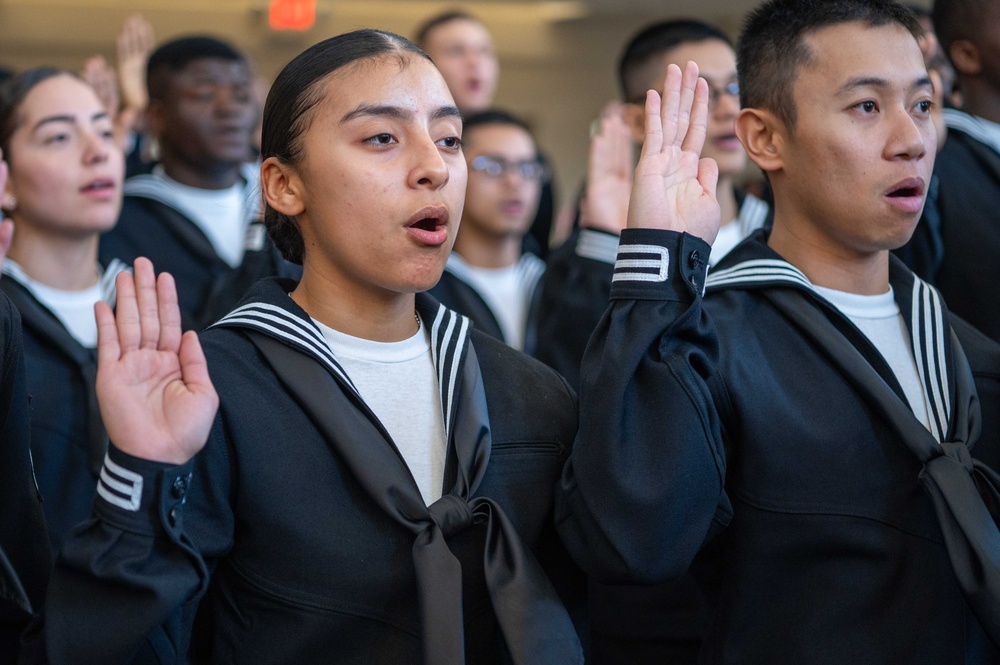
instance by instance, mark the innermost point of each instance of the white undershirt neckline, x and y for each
(398, 382)
(73, 309)
(879, 318)
(221, 214)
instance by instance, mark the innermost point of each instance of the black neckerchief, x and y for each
(965, 492)
(534, 624)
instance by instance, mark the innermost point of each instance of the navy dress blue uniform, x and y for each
(68, 441)
(273, 536)
(722, 426)
(24, 543)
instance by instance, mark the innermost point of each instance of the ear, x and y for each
(762, 135)
(965, 57)
(281, 187)
(635, 118)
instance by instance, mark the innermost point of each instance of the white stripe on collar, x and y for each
(449, 332)
(927, 329)
(981, 130)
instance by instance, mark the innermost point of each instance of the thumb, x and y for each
(194, 367)
(708, 176)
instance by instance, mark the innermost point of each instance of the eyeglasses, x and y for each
(494, 167)
(731, 89)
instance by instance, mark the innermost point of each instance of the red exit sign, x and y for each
(292, 14)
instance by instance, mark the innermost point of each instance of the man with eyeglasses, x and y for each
(489, 277)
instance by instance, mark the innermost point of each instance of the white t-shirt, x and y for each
(751, 216)
(506, 291)
(221, 214)
(74, 309)
(879, 318)
(398, 382)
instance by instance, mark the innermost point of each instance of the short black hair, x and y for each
(175, 55)
(960, 19)
(771, 47)
(296, 90)
(651, 43)
(493, 117)
(438, 20)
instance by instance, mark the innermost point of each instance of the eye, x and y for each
(925, 106)
(381, 139)
(57, 139)
(867, 107)
(451, 143)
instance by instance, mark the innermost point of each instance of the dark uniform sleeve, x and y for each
(126, 585)
(24, 556)
(643, 488)
(574, 297)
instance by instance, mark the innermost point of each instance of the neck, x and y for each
(728, 208)
(376, 315)
(201, 176)
(981, 99)
(484, 250)
(66, 263)
(825, 264)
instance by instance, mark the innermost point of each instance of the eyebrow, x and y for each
(876, 82)
(100, 115)
(384, 110)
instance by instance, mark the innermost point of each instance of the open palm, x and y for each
(156, 398)
(673, 188)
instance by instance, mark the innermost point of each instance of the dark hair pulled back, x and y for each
(296, 90)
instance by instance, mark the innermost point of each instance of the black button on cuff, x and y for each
(180, 487)
(695, 260)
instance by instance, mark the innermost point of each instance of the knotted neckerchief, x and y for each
(965, 492)
(535, 626)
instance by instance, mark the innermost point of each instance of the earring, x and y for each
(11, 203)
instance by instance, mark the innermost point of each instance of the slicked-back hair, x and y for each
(772, 48)
(296, 90)
(13, 93)
(175, 55)
(424, 31)
(962, 19)
(650, 44)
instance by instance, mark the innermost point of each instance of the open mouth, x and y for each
(427, 224)
(101, 185)
(907, 189)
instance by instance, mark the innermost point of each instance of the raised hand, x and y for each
(609, 174)
(135, 43)
(673, 188)
(156, 398)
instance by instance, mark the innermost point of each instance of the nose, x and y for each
(429, 170)
(231, 100)
(96, 148)
(909, 136)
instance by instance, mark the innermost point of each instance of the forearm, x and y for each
(643, 488)
(125, 572)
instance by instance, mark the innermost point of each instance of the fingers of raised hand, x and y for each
(670, 106)
(685, 102)
(108, 348)
(126, 316)
(169, 313)
(694, 138)
(147, 305)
